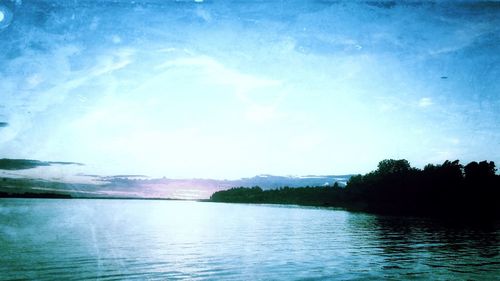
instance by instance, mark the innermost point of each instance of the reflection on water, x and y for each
(426, 247)
(158, 240)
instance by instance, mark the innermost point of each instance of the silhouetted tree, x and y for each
(481, 170)
(391, 166)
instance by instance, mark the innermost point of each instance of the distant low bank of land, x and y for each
(52, 195)
(449, 190)
(34, 195)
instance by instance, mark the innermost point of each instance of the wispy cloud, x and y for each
(425, 102)
(261, 113)
(218, 73)
(244, 86)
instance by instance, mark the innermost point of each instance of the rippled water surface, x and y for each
(47, 239)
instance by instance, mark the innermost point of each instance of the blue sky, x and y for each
(229, 89)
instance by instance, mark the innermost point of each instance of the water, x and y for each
(47, 239)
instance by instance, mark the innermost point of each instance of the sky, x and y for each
(231, 89)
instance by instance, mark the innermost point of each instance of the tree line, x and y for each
(449, 189)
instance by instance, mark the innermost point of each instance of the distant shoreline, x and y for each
(30, 195)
